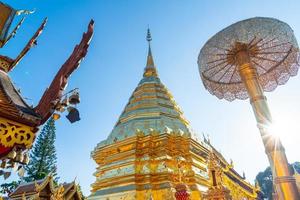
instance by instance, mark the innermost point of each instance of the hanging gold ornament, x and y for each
(56, 116)
(25, 159)
(12, 154)
(19, 156)
(3, 164)
(65, 102)
(62, 109)
(21, 171)
(6, 175)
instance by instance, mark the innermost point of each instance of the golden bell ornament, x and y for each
(21, 172)
(74, 98)
(12, 154)
(19, 156)
(13, 165)
(26, 159)
(61, 109)
(6, 175)
(3, 164)
(57, 108)
(65, 102)
(56, 116)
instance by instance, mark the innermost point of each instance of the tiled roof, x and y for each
(25, 188)
(12, 104)
(68, 186)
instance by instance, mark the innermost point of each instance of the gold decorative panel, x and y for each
(12, 133)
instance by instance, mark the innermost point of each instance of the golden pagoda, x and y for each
(151, 153)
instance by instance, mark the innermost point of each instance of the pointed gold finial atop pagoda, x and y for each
(150, 69)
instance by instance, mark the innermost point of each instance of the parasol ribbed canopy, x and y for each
(272, 49)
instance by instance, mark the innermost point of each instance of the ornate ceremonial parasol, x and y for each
(244, 60)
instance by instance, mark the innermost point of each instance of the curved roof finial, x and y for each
(150, 69)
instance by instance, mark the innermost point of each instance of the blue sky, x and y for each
(115, 62)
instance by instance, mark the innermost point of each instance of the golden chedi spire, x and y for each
(151, 150)
(150, 69)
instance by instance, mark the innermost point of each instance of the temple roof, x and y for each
(151, 107)
(12, 104)
(27, 188)
(70, 190)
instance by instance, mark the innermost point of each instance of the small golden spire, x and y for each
(150, 69)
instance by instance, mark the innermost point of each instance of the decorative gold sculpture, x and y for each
(217, 190)
(15, 133)
(58, 194)
(242, 61)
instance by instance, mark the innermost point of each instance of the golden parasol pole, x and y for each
(285, 184)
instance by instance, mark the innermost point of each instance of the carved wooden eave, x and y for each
(18, 121)
(7, 64)
(14, 107)
(53, 94)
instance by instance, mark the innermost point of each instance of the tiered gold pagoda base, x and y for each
(163, 194)
(150, 166)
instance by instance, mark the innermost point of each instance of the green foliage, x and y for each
(265, 180)
(7, 188)
(43, 158)
(296, 166)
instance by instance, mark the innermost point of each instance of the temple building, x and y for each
(151, 153)
(46, 189)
